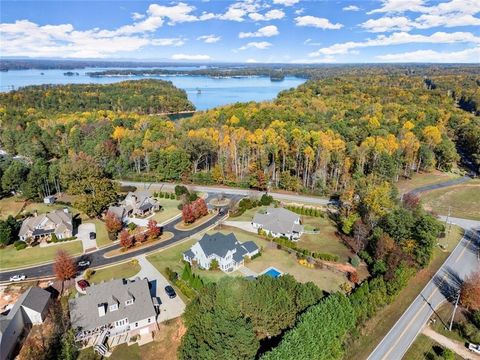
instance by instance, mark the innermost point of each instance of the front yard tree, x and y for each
(187, 214)
(126, 240)
(153, 230)
(64, 267)
(470, 291)
(113, 223)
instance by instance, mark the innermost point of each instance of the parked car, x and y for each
(93, 236)
(474, 348)
(83, 263)
(83, 284)
(170, 291)
(17, 277)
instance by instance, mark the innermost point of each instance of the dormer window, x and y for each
(129, 302)
(113, 307)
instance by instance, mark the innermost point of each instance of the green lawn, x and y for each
(248, 214)
(11, 258)
(169, 210)
(423, 179)
(102, 235)
(280, 259)
(377, 327)
(462, 200)
(120, 271)
(423, 348)
(10, 206)
(326, 241)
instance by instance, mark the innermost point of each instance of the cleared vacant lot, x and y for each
(10, 206)
(462, 200)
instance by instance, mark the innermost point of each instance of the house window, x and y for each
(121, 322)
(113, 307)
(149, 320)
(136, 324)
(129, 302)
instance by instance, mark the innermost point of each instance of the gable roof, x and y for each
(278, 220)
(60, 218)
(84, 309)
(218, 244)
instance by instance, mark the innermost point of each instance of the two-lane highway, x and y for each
(443, 286)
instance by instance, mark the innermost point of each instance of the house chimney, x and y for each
(35, 213)
(101, 310)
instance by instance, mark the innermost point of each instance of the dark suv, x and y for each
(170, 291)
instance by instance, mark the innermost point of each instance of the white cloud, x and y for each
(269, 15)
(310, 42)
(452, 13)
(398, 39)
(209, 39)
(399, 6)
(266, 31)
(384, 24)
(190, 57)
(299, 11)
(251, 61)
(261, 45)
(351, 8)
(463, 56)
(317, 22)
(137, 16)
(168, 42)
(286, 2)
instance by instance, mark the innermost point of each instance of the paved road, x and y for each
(443, 286)
(97, 258)
(441, 185)
(233, 191)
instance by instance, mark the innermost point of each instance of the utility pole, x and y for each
(454, 310)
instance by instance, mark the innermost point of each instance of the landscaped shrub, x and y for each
(20, 245)
(132, 226)
(54, 238)
(256, 256)
(214, 264)
(185, 289)
(88, 274)
(171, 275)
(325, 256)
(180, 190)
(266, 200)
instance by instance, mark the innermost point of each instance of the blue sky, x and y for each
(287, 31)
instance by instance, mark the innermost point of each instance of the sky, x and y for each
(267, 31)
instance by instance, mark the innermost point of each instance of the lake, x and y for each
(203, 91)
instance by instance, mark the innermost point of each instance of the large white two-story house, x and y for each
(58, 222)
(279, 222)
(113, 312)
(138, 203)
(225, 248)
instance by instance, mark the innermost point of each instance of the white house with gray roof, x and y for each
(30, 309)
(58, 222)
(225, 248)
(279, 222)
(113, 311)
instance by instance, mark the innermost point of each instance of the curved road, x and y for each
(441, 185)
(97, 258)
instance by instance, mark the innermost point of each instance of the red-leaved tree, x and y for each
(113, 223)
(64, 267)
(126, 240)
(187, 214)
(140, 237)
(470, 291)
(202, 207)
(153, 230)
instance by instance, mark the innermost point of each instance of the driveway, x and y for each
(169, 308)
(244, 225)
(453, 345)
(138, 221)
(83, 234)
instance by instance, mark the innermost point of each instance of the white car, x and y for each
(17, 278)
(84, 263)
(474, 348)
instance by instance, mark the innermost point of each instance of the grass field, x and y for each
(377, 327)
(463, 200)
(423, 348)
(102, 235)
(169, 210)
(10, 206)
(11, 258)
(423, 179)
(248, 214)
(120, 271)
(280, 259)
(326, 241)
